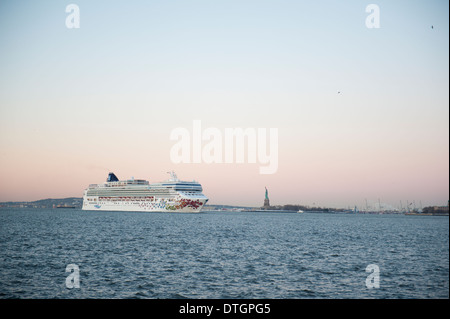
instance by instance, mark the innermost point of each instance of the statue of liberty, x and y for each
(266, 200)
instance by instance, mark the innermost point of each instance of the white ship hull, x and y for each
(140, 196)
(143, 206)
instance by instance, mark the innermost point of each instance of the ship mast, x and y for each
(173, 176)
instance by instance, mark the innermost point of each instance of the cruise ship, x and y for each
(139, 195)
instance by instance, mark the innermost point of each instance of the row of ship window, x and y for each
(122, 199)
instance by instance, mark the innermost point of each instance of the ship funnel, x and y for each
(112, 177)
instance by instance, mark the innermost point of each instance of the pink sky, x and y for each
(78, 103)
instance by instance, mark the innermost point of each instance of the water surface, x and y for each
(221, 255)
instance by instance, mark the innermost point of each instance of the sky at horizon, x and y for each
(76, 104)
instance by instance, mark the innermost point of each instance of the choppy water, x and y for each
(221, 255)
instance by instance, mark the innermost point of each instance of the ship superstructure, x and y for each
(172, 195)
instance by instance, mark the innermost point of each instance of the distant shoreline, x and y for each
(77, 202)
